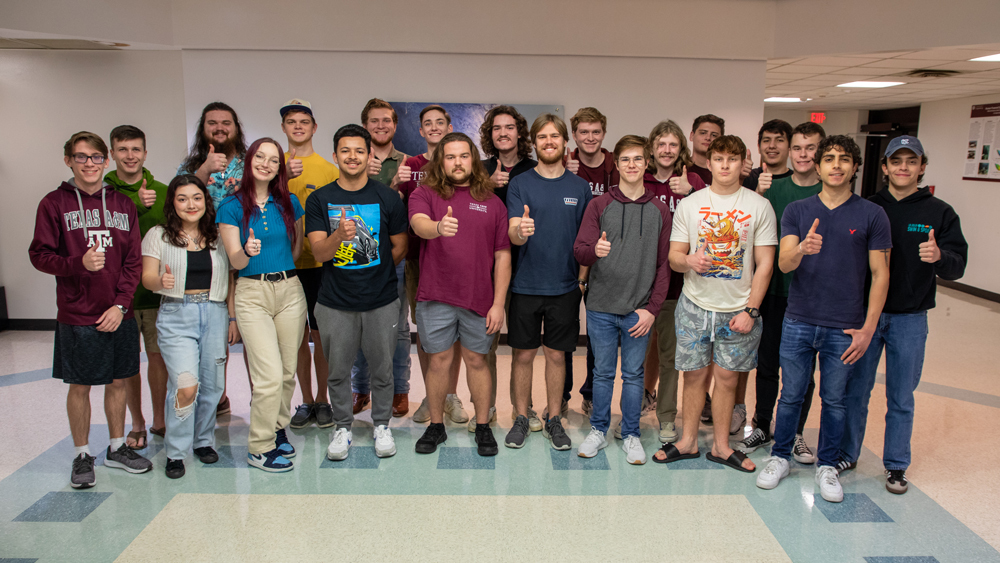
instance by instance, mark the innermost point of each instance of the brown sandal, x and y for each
(139, 436)
(158, 431)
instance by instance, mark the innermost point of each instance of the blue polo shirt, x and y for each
(269, 227)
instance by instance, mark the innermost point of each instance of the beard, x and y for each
(227, 147)
(458, 176)
(557, 157)
(381, 144)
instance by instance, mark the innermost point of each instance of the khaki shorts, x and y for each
(146, 319)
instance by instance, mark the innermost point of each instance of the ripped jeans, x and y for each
(192, 338)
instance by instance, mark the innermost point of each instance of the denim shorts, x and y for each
(704, 337)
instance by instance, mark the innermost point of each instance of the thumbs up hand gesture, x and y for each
(214, 161)
(294, 165)
(403, 174)
(347, 229)
(680, 184)
(374, 166)
(499, 177)
(572, 164)
(147, 197)
(448, 225)
(93, 259)
(527, 226)
(764, 180)
(252, 247)
(813, 242)
(929, 251)
(603, 247)
(698, 261)
(167, 279)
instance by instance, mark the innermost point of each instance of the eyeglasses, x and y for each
(637, 159)
(81, 158)
(260, 158)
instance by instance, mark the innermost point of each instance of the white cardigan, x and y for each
(154, 246)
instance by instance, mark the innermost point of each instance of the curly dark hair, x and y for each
(199, 152)
(480, 184)
(843, 143)
(172, 231)
(486, 132)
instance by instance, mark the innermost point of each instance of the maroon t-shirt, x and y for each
(417, 173)
(458, 270)
(600, 178)
(704, 173)
(662, 192)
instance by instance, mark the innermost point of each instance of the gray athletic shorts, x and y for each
(440, 325)
(704, 336)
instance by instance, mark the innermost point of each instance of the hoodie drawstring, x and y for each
(83, 215)
(704, 324)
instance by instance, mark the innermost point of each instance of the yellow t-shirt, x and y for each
(316, 173)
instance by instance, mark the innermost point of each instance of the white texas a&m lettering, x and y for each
(102, 239)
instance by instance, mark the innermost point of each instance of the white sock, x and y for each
(84, 449)
(117, 443)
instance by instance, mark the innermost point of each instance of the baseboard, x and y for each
(31, 324)
(981, 293)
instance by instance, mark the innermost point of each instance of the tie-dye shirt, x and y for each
(221, 184)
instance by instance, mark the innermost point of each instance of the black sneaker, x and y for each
(175, 468)
(304, 414)
(281, 443)
(207, 454)
(126, 458)
(485, 440)
(82, 476)
(518, 433)
(756, 439)
(324, 414)
(844, 465)
(556, 434)
(895, 481)
(706, 413)
(433, 436)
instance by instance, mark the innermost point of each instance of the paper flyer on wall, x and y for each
(982, 161)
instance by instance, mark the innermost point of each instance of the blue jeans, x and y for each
(361, 378)
(800, 343)
(192, 339)
(904, 338)
(605, 332)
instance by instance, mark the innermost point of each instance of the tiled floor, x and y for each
(532, 503)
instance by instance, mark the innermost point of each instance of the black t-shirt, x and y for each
(751, 180)
(362, 275)
(521, 167)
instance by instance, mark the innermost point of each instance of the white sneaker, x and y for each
(385, 446)
(340, 445)
(801, 452)
(593, 443)
(829, 484)
(534, 423)
(775, 469)
(492, 419)
(739, 420)
(634, 453)
(423, 412)
(453, 408)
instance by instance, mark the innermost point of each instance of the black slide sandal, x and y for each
(673, 454)
(735, 461)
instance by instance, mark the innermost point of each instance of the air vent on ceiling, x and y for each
(930, 73)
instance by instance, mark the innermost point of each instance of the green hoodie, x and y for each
(148, 218)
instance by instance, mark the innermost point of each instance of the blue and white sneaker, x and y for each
(281, 443)
(271, 461)
(340, 446)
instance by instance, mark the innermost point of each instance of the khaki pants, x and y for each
(271, 317)
(666, 343)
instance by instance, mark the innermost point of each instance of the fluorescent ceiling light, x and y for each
(868, 84)
(783, 100)
(988, 59)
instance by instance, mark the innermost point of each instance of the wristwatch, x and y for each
(122, 309)
(753, 312)
(583, 283)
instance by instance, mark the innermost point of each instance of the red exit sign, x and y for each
(818, 117)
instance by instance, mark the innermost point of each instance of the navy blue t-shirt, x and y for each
(828, 289)
(362, 275)
(545, 264)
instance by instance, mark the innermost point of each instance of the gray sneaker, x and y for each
(126, 458)
(518, 434)
(83, 472)
(556, 434)
(304, 414)
(324, 414)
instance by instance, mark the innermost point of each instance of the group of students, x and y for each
(687, 259)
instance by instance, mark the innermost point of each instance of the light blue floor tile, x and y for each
(360, 457)
(698, 463)
(230, 457)
(568, 460)
(463, 458)
(8, 560)
(59, 506)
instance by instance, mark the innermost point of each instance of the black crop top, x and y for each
(199, 270)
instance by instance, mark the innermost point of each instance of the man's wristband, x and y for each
(437, 228)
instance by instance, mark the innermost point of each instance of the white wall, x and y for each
(46, 97)
(944, 133)
(839, 122)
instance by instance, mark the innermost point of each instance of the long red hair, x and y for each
(277, 188)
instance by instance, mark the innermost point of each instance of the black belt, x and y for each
(273, 276)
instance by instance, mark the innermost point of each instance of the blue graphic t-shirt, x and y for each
(828, 288)
(362, 275)
(545, 264)
(221, 184)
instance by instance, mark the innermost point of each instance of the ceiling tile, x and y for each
(810, 68)
(946, 54)
(968, 65)
(903, 63)
(790, 75)
(783, 61)
(837, 61)
(859, 71)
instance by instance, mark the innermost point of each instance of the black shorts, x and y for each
(311, 279)
(560, 314)
(82, 355)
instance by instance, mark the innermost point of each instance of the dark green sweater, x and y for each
(148, 217)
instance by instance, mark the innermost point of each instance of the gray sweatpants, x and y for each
(343, 332)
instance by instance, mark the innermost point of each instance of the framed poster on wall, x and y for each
(982, 157)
